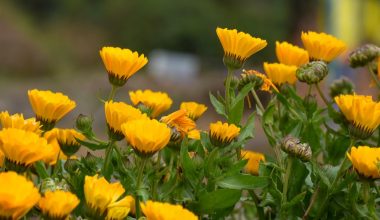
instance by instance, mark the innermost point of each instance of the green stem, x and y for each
(112, 93)
(286, 178)
(107, 160)
(321, 94)
(258, 102)
(260, 210)
(309, 90)
(374, 77)
(312, 200)
(157, 177)
(227, 92)
(138, 185)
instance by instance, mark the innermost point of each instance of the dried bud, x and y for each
(294, 147)
(313, 72)
(71, 165)
(250, 78)
(363, 55)
(234, 82)
(50, 184)
(341, 86)
(84, 123)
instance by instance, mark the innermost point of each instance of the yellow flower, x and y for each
(146, 136)
(366, 160)
(222, 134)
(194, 134)
(291, 55)
(18, 121)
(99, 194)
(49, 107)
(254, 160)
(362, 112)
(165, 211)
(238, 46)
(120, 209)
(267, 83)
(17, 195)
(179, 121)
(51, 137)
(280, 73)
(66, 139)
(193, 110)
(322, 46)
(118, 113)
(121, 64)
(58, 204)
(22, 147)
(156, 102)
(1, 159)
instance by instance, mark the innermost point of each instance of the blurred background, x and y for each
(55, 45)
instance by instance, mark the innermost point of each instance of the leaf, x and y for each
(298, 198)
(219, 107)
(236, 113)
(248, 130)
(297, 178)
(242, 94)
(243, 181)
(188, 166)
(210, 202)
(41, 170)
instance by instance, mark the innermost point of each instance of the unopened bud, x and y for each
(84, 123)
(363, 55)
(90, 160)
(293, 146)
(71, 165)
(341, 86)
(313, 72)
(234, 82)
(50, 184)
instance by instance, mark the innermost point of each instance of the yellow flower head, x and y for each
(291, 55)
(193, 110)
(66, 139)
(49, 107)
(156, 102)
(18, 121)
(165, 211)
(222, 134)
(322, 46)
(280, 73)
(17, 195)
(267, 83)
(194, 134)
(238, 46)
(362, 112)
(254, 160)
(146, 136)
(179, 121)
(99, 193)
(366, 161)
(1, 159)
(51, 137)
(118, 113)
(121, 64)
(58, 204)
(22, 147)
(120, 209)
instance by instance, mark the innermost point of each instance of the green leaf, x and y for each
(242, 94)
(217, 200)
(41, 170)
(297, 178)
(243, 181)
(219, 107)
(236, 113)
(188, 166)
(298, 198)
(247, 132)
(267, 122)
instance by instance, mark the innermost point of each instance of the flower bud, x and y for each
(363, 55)
(234, 82)
(341, 86)
(90, 160)
(250, 78)
(84, 123)
(294, 147)
(50, 184)
(313, 72)
(71, 165)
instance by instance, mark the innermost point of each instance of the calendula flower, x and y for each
(17, 195)
(267, 84)
(155, 103)
(51, 137)
(193, 110)
(366, 161)
(18, 121)
(146, 136)
(165, 211)
(99, 194)
(238, 46)
(362, 113)
(179, 123)
(121, 64)
(1, 159)
(321, 46)
(120, 209)
(280, 73)
(254, 160)
(66, 139)
(291, 55)
(222, 134)
(22, 148)
(118, 113)
(49, 107)
(58, 204)
(194, 134)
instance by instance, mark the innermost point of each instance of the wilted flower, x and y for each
(341, 86)
(312, 72)
(179, 123)
(280, 73)
(18, 121)
(58, 204)
(362, 113)
(17, 195)
(251, 76)
(366, 161)
(193, 110)
(49, 107)
(165, 211)
(364, 55)
(156, 102)
(254, 159)
(121, 64)
(291, 55)
(238, 46)
(293, 146)
(120, 209)
(146, 136)
(267, 83)
(66, 139)
(222, 134)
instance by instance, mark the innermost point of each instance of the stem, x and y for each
(112, 93)
(228, 85)
(138, 185)
(157, 177)
(312, 200)
(374, 77)
(107, 160)
(321, 94)
(309, 90)
(286, 178)
(260, 210)
(258, 102)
